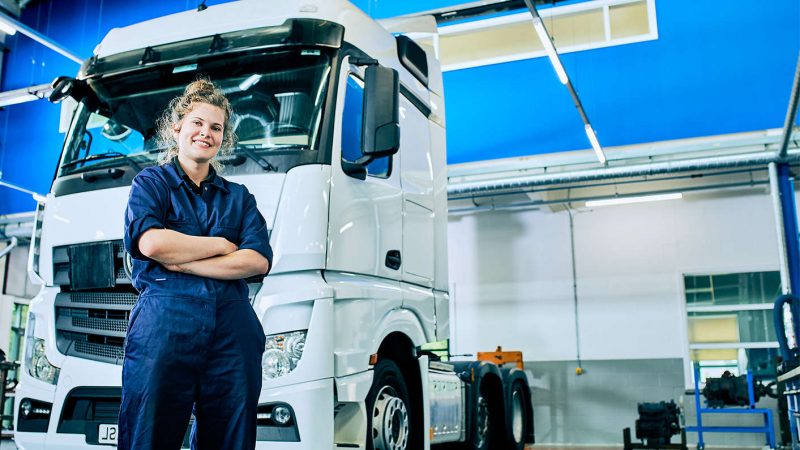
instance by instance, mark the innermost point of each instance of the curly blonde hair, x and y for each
(201, 90)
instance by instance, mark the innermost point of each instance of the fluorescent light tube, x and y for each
(7, 28)
(538, 25)
(636, 199)
(16, 99)
(595, 144)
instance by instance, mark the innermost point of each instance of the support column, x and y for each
(790, 228)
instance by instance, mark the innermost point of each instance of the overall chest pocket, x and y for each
(227, 231)
(185, 226)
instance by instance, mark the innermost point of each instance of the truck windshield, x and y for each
(277, 98)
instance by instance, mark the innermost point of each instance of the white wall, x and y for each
(510, 274)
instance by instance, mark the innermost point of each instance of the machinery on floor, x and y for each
(724, 395)
(656, 425)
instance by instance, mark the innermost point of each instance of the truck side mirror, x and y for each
(64, 87)
(381, 125)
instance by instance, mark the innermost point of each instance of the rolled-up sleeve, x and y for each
(254, 234)
(146, 209)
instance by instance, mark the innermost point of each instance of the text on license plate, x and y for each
(107, 434)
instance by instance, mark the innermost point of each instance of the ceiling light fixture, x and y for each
(8, 23)
(7, 28)
(634, 199)
(555, 61)
(35, 195)
(550, 49)
(25, 94)
(595, 144)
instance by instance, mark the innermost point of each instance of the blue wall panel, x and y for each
(30, 144)
(718, 66)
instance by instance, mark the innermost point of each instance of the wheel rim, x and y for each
(483, 422)
(389, 421)
(517, 423)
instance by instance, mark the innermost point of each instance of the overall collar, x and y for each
(177, 176)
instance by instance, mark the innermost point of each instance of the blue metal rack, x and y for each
(792, 393)
(789, 372)
(766, 413)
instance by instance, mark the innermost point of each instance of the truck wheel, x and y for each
(486, 432)
(519, 416)
(388, 405)
(483, 424)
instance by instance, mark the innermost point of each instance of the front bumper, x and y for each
(75, 372)
(312, 404)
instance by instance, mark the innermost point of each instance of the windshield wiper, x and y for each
(97, 157)
(263, 163)
(100, 157)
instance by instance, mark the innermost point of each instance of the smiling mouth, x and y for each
(203, 143)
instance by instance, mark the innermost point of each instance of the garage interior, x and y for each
(624, 228)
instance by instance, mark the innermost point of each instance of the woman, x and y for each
(194, 342)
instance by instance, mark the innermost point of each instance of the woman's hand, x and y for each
(173, 267)
(225, 246)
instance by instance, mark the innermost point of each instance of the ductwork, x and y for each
(18, 226)
(462, 190)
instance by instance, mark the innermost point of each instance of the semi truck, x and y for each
(341, 138)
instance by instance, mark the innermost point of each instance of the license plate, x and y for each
(107, 434)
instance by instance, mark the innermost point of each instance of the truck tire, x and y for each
(518, 416)
(486, 434)
(389, 423)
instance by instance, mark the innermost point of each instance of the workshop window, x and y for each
(729, 322)
(575, 27)
(352, 122)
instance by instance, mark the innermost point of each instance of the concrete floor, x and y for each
(7, 444)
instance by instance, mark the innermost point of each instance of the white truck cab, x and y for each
(341, 138)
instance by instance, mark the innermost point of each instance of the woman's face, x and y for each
(199, 135)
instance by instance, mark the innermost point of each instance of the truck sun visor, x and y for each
(301, 32)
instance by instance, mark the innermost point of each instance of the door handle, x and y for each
(393, 259)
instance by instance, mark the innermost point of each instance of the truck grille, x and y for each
(92, 324)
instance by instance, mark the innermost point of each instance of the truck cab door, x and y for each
(365, 227)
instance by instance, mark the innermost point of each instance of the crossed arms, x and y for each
(210, 257)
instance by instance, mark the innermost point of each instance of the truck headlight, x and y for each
(282, 352)
(36, 362)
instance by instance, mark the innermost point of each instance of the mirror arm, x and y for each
(363, 61)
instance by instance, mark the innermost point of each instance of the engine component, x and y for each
(730, 390)
(658, 422)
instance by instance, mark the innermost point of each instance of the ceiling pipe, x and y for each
(28, 94)
(9, 247)
(36, 196)
(761, 158)
(18, 226)
(472, 10)
(38, 37)
(573, 200)
(605, 183)
(777, 209)
(791, 112)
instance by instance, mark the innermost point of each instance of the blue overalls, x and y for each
(194, 344)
